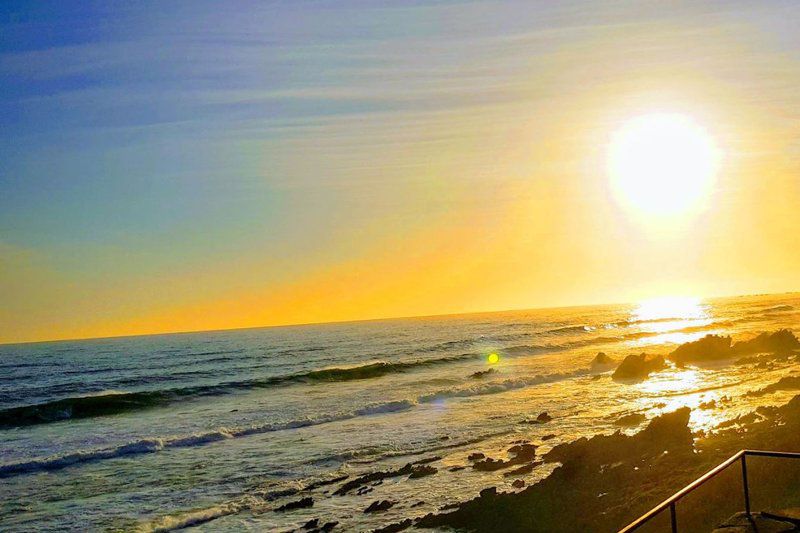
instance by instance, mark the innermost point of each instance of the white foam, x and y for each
(496, 387)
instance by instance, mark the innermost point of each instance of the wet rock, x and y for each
(274, 495)
(485, 493)
(299, 504)
(427, 460)
(785, 383)
(712, 404)
(525, 469)
(576, 483)
(633, 419)
(522, 453)
(394, 528)
(379, 505)
(602, 362)
(779, 342)
(323, 483)
(709, 348)
(490, 465)
(639, 366)
(518, 484)
(422, 471)
(374, 477)
(755, 523)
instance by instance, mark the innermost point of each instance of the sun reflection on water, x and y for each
(675, 388)
(673, 307)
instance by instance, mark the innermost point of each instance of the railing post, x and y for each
(673, 519)
(744, 484)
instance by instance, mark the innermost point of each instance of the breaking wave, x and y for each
(157, 444)
(120, 402)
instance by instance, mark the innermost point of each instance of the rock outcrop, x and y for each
(638, 367)
(717, 347)
(709, 348)
(779, 342)
(602, 363)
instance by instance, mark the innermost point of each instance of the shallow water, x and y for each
(175, 429)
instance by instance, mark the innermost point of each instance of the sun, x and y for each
(662, 164)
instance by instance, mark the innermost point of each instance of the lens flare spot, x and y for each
(493, 358)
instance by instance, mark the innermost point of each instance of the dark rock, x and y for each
(427, 460)
(518, 484)
(327, 526)
(548, 437)
(490, 465)
(633, 419)
(709, 348)
(525, 469)
(456, 468)
(583, 473)
(394, 528)
(544, 417)
(785, 383)
(638, 366)
(299, 504)
(373, 477)
(379, 505)
(781, 341)
(422, 471)
(271, 496)
(491, 491)
(477, 456)
(315, 485)
(523, 452)
(482, 373)
(716, 347)
(712, 404)
(602, 362)
(311, 524)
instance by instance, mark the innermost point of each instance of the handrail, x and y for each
(671, 502)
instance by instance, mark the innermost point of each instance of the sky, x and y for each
(182, 166)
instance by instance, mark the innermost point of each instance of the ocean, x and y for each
(220, 429)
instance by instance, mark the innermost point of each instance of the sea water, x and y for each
(219, 429)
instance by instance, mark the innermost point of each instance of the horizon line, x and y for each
(374, 319)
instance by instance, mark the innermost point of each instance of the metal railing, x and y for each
(671, 502)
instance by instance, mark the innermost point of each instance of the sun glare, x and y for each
(673, 307)
(662, 164)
